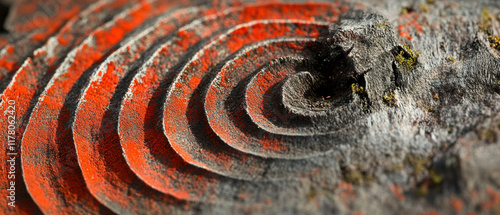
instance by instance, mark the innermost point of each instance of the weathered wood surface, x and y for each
(222, 107)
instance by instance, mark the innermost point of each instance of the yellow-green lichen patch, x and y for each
(311, 194)
(496, 86)
(422, 190)
(489, 135)
(406, 58)
(406, 10)
(450, 129)
(424, 8)
(494, 41)
(484, 23)
(434, 179)
(435, 96)
(359, 90)
(444, 171)
(430, 109)
(390, 99)
(403, 11)
(382, 25)
(418, 163)
(395, 168)
(354, 176)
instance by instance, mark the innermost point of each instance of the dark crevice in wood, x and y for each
(4, 12)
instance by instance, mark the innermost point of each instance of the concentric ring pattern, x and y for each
(177, 107)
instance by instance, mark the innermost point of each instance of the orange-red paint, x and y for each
(457, 204)
(52, 105)
(410, 25)
(494, 199)
(398, 192)
(55, 24)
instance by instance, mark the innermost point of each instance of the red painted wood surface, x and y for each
(149, 106)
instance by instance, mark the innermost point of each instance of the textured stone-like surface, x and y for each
(222, 107)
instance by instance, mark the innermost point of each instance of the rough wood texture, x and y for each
(222, 107)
